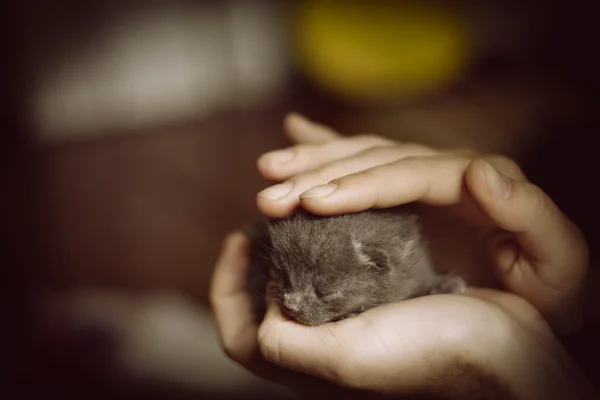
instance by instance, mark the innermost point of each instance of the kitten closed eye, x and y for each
(331, 296)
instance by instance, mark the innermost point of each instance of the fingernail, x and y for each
(497, 183)
(276, 192)
(280, 156)
(320, 191)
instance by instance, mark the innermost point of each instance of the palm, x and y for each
(399, 339)
(421, 340)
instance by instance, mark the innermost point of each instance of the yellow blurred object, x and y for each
(380, 50)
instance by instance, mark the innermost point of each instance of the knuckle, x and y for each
(539, 204)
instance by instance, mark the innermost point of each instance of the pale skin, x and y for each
(435, 345)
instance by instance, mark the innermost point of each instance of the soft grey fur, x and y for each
(330, 268)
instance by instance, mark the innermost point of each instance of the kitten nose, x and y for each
(292, 301)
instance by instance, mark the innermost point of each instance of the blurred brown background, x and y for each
(131, 134)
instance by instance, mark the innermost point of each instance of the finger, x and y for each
(437, 181)
(430, 180)
(295, 367)
(272, 205)
(302, 130)
(538, 225)
(505, 165)
(291, 345)
(329, 351)
(231, 304)
(281, 164)
(547, 264)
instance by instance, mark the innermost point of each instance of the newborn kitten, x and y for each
(329, 268)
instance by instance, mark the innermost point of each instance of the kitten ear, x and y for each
(371, 256)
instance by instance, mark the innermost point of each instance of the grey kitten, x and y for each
(329, 268)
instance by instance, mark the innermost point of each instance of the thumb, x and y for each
(545, 260)
(310, 350)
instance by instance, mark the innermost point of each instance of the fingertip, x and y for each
(290, 116)
(300, 129)
(327, 207)
(235, 241)
(317, 206)
(512, 204)
(294, 123)
(265, 167)
(293, 117)
(340, 196)
(491, 191)
(235, 236)
(273, 208)
(320, 200)
(485, 180)
(474, 171)
(321, 191)
(234, 253)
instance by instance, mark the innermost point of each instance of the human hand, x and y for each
(486, 344)
(537, 252)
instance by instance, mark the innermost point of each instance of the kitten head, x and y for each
(323, 271)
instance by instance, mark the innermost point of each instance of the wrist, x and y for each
(533, 365)
(474, 369)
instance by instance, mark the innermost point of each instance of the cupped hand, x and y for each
(486, 344)
(537, 252)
